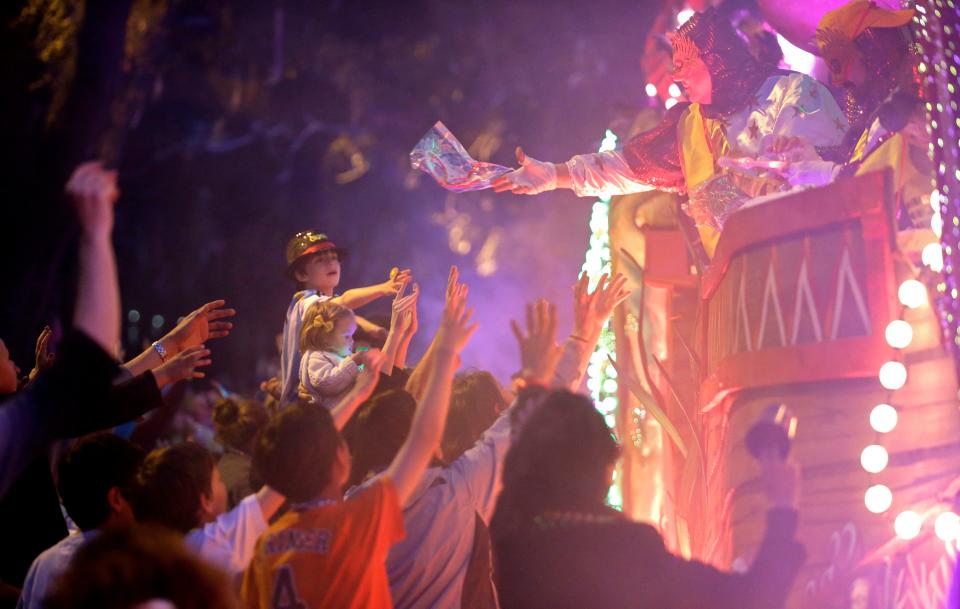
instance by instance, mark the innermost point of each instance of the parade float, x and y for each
(820, 302)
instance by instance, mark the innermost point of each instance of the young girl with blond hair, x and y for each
(329, 368)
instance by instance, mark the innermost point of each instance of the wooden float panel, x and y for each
(836, 527)
(800, 290)
(794, 309)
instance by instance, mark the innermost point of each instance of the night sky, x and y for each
(251, 121)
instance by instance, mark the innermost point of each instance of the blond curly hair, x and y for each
(319, 323)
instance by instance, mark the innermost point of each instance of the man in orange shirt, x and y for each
(327, 552)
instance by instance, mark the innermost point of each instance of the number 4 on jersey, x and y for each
(285, 592)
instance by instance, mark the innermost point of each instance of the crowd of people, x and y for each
(361, 480)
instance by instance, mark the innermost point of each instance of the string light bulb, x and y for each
(947, 526)
(932, 256)
(912, 294)
(893, 375)
(878, 498)
(907, 525)
(883, 418)
(874, 458)
(899, 334)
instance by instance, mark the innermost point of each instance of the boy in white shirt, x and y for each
(179, 487)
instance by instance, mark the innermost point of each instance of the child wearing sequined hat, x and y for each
(313, 263)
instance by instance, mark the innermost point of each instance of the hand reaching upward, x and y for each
(539, 351)
(43, 359)
(200, 325)
(423, 439)
(94, 191)
(455, 327)
(398, 279)
(590, 311)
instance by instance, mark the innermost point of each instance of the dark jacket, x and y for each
(75, 397)
(55, 405)
(622, 564)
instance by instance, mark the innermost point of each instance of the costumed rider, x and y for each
(871, 57)
(737, 106)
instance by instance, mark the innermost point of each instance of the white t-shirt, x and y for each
(229, 541)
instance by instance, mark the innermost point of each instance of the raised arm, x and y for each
(478, 470)
(193, 330)
(357, 297)
(587, 175)
(648, 161)
(776, 565)
(539, 351)
(417, 383)
(401, 319)
(400, 361)
(362, 390)
(424, 438)
(590, 314)
(97, 313)
(81, 376)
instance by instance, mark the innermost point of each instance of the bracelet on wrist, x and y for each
(161, 351)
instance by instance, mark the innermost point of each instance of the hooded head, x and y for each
(714, 65)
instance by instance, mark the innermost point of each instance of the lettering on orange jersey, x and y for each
(298, 540)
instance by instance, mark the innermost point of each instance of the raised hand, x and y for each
(539, 351)
(532, 177)
(402, 302)
(455, 327)
(412, 309)
(94, 192)
(397, 280)
(590, 311)
(44, 359)
(271, 387)
(183, 366)
(453, 284)
(200, 326)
